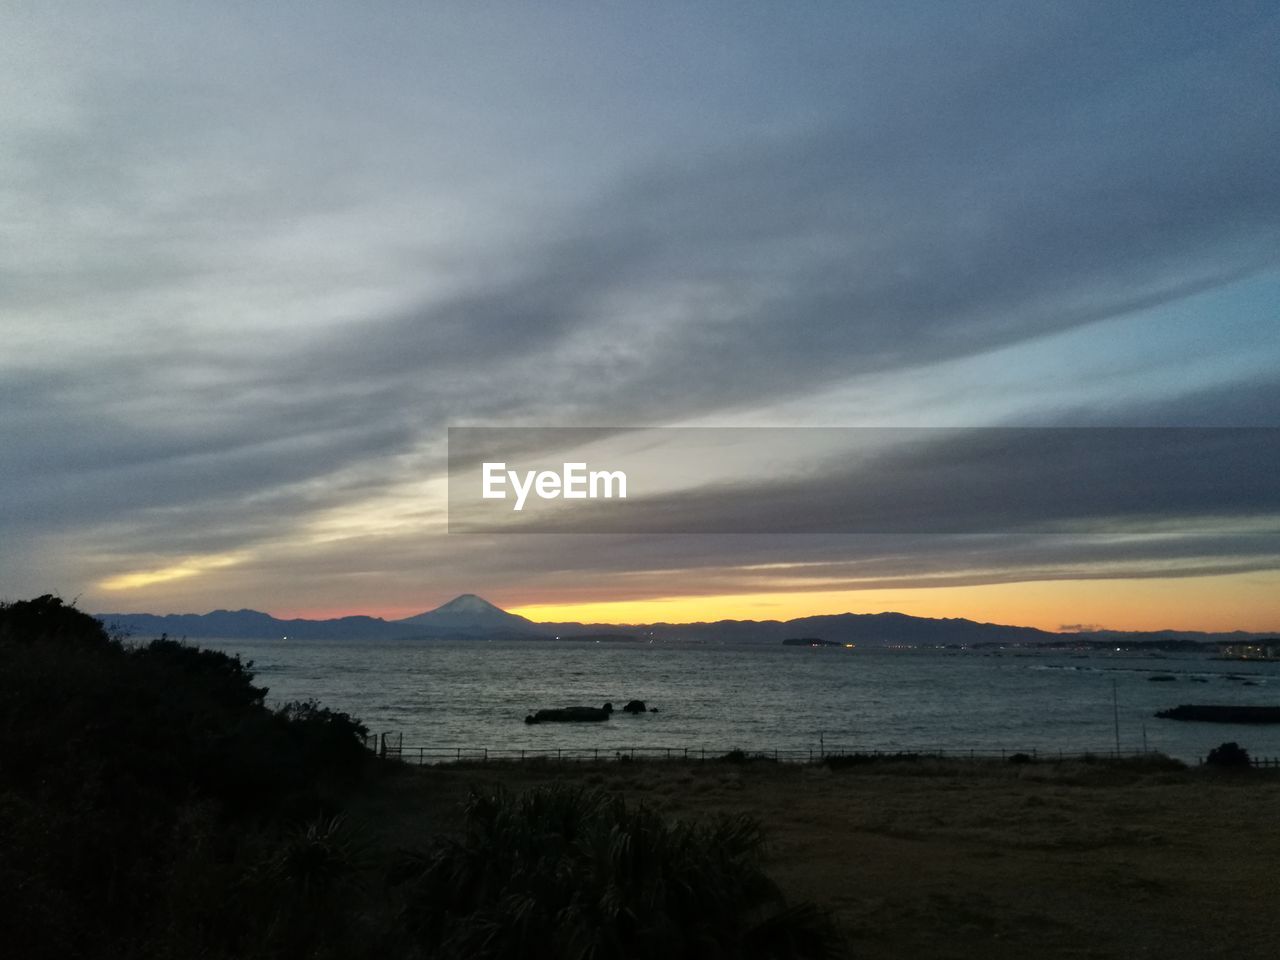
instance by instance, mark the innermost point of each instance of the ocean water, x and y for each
(762, 697)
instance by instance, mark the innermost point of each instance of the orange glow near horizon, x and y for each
(1247, 601)
(1239, 601)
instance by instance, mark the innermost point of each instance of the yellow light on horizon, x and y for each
(1237, 601)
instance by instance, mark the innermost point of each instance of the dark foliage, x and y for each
(133, 779)
(328, 742)
(152, 805)
(1229, 755)
(565, 872)
(47, 618)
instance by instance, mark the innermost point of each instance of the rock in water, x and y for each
(1221, 713)
(571, 715)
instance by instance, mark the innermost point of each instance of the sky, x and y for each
(255, 259)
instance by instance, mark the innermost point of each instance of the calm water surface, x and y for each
(474, 694)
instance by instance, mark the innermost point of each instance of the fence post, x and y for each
(421, 751)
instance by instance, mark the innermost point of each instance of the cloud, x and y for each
(252, 273)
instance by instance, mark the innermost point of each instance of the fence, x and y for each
(392, 747)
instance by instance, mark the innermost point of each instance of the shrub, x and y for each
(219, 677)
(329, 742)
(564, 872)
(1229, 755)
(48, 618)
(139, 787)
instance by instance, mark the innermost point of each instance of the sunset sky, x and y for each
(255, 259)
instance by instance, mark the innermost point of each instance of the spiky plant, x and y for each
(575, 873)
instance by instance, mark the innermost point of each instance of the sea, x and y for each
(441, 699)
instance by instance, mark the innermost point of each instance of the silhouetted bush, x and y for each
(572, 872)
(219, 677)
(141, 790)
(329, 742)
(1230, 755)
(47, 618)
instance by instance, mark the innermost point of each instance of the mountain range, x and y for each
(472, 617)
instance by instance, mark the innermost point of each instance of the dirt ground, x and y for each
(960, 859)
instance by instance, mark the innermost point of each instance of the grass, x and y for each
(955, 858)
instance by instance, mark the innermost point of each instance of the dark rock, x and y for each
(635, 706)
(1162, 678)
(571, 715)
(1218, 713)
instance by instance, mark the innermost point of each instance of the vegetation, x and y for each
(573, 872)
(1230, 755)
(144, 787)
(153, 805)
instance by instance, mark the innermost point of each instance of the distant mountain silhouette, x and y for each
(470, 616)
(870, 629)
(248, 624)
(464, 616)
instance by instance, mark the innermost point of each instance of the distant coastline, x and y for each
(469, 617)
